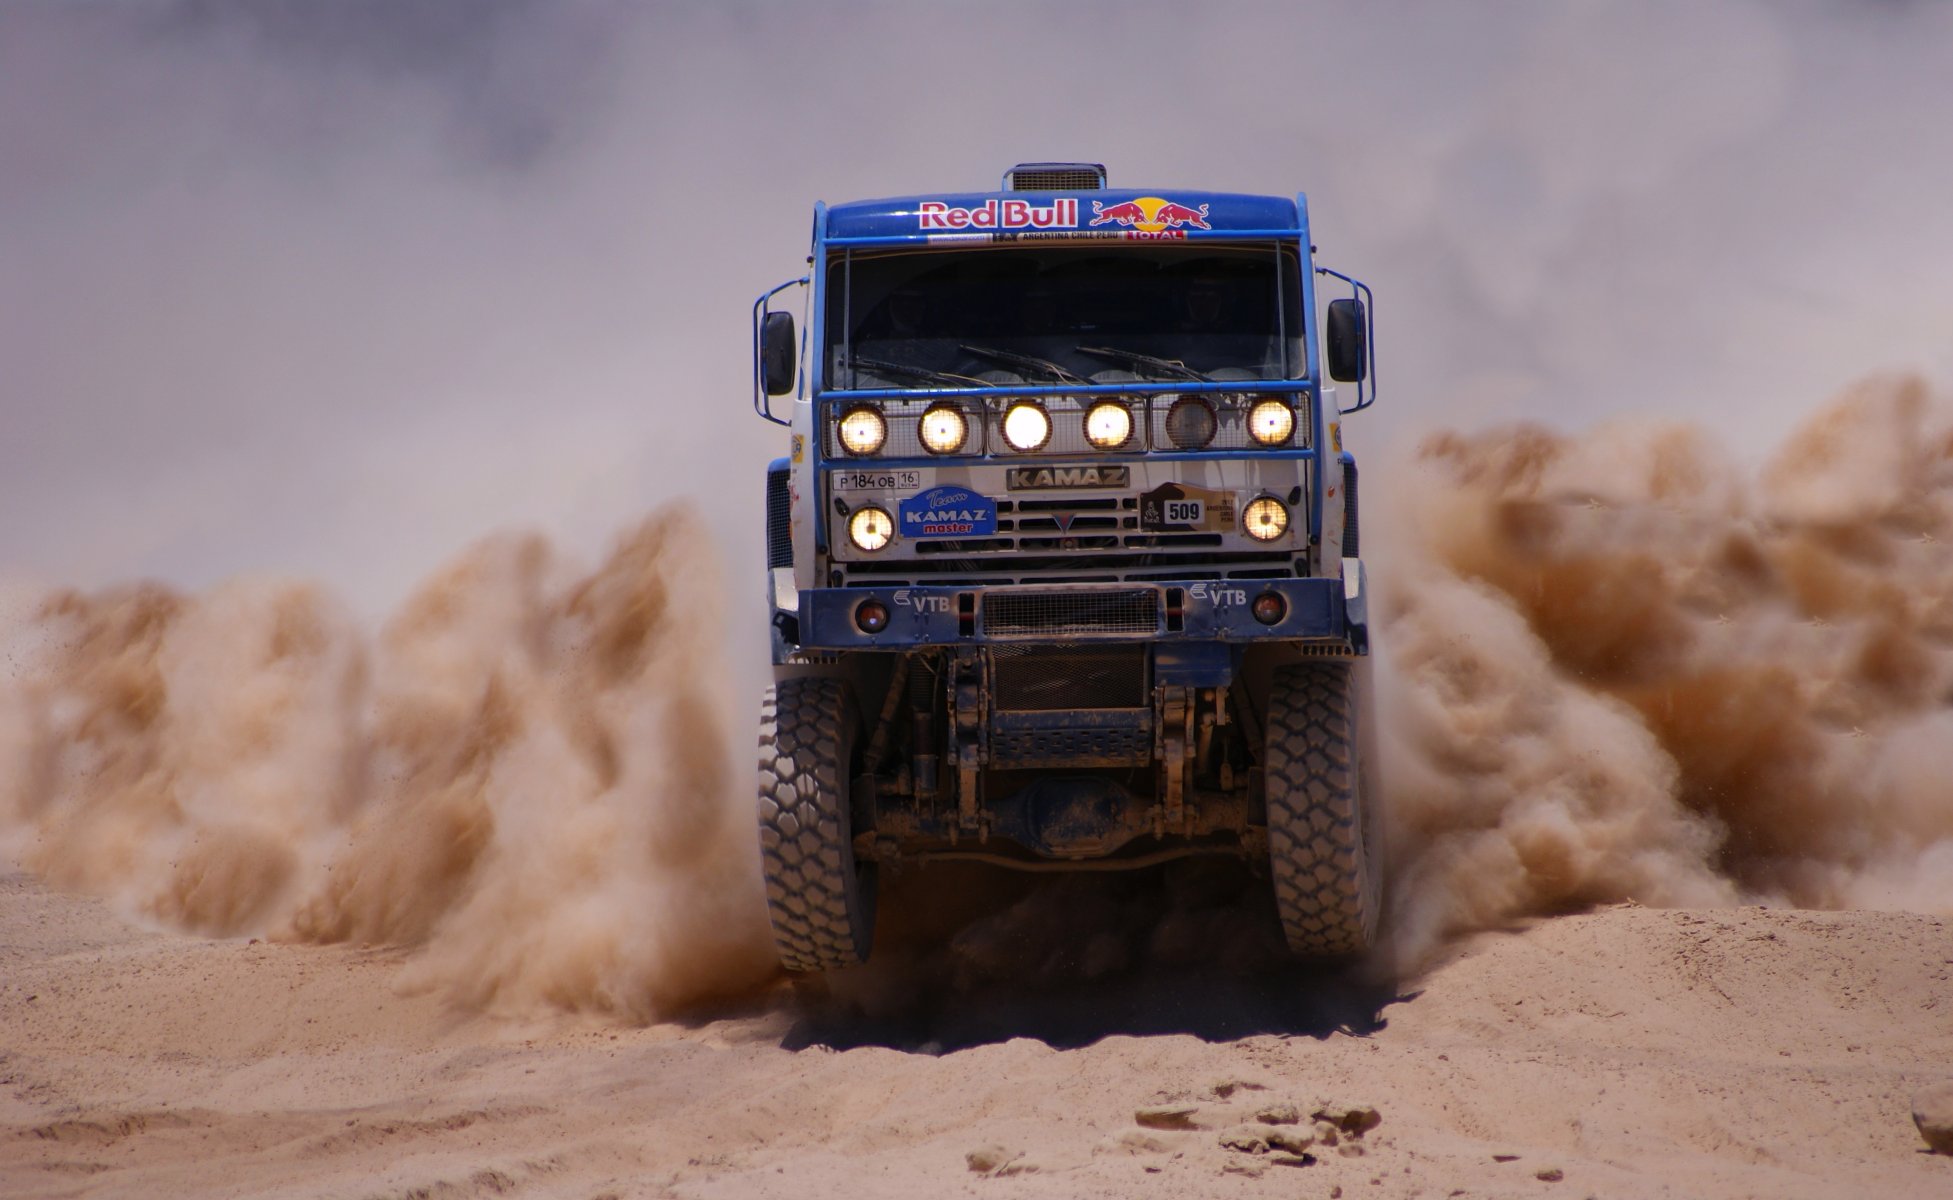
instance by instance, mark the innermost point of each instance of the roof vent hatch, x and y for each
(1055, 177)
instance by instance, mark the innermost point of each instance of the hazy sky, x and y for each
(335, 288)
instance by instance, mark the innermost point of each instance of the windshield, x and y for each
(1040, 315)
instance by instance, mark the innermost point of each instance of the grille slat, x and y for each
(779, 519)
(1063, 613)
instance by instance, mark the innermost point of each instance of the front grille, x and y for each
(1130, 746)
(1061, 614)
(1047, 680)
(779, 519)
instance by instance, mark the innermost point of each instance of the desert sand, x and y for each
(1625, 1051)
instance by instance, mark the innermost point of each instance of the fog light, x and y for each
(1190, 423)
(1108, 426)
(870, 528)
(863, 431)
(871, 616)
(1265, 519)
(1026, 427)
(1269, 608)
(1271, 421)
(944, 429)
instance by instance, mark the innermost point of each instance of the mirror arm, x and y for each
(1365, 397)
(762, 403)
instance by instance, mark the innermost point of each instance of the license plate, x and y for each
(876, 481)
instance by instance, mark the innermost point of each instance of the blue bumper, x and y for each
(1196, 610)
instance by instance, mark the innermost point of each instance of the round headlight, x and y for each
(863, 431)
(1265, 519)
(1190, 423)
(1271, 421)
(943, 429)
(1109, 425)
(1026, 427)
(870, 528)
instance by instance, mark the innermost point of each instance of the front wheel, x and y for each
(820, 902)
(1322, 856)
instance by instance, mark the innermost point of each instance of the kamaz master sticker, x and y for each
(948, 512)
(1179, 508)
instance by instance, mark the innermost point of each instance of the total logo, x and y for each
(1149, 214)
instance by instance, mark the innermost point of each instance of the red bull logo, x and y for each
(1149, 214)
(1000, 214)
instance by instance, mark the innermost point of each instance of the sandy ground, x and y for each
(1625, 1052)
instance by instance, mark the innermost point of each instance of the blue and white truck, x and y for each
(1062, 562)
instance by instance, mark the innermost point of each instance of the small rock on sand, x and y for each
(1549, 1174)
(1350, 1118)
(1932, 1112)
(1295, 1141)
(988, 1160)
(1283, 1113)
(1245, 1138)
(1223, 1088)
(1167, 1116)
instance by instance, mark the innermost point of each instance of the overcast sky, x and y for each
(335, 288)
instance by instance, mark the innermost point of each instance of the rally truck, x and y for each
(1062, 560)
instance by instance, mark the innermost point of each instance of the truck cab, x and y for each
(1062, 561)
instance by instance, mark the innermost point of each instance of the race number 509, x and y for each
(1185, 512)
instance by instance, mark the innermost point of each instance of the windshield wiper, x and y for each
(883, 367)
(1166, 368)
(1024, 362)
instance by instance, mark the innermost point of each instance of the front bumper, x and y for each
(1316, 609)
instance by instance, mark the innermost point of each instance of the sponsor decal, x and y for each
(948, 512)
(905, 598)
(1179, 508)
(1336, 436)
(799, 447)
(1026, 479)
(1149, 214)
(876, 481)
(1220, 595)
(1000, 214)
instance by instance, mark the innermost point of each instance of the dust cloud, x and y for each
(1615, 666)
(525, 775)
(1619, 669)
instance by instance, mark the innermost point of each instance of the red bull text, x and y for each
(1000, 214)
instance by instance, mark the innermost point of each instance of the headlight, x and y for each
(1190, 423)
(943, 429)
(1265, 519)
(1271, 421)
(870, 528)
(863, 431)
(1109, 425)
(1026, 427)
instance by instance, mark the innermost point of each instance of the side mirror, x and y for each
(778, 351)
(1348, 343)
